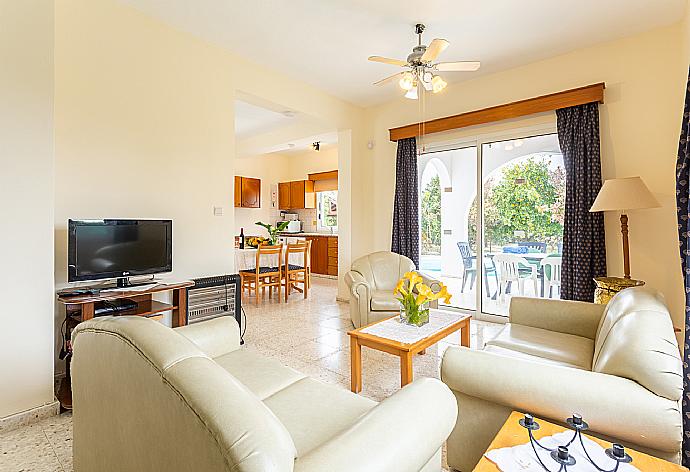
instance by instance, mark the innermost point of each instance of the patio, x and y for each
(522, 196)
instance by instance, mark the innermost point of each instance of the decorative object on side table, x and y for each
(607, 287)
(560, 454)
(273, 230)
(414, 299)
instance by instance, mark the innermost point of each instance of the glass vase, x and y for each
(414, 315)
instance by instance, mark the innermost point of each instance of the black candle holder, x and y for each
(561, 456)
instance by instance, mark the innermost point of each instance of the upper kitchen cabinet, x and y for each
(284, 195)
(247, 192)
(296, 195)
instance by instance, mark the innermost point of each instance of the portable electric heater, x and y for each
(212, 297)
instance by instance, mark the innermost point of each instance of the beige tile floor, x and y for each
(307, 335)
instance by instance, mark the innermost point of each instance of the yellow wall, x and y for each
(143, 126)
(310, 162)
(639, 131)
(26, 208)
(144, 129)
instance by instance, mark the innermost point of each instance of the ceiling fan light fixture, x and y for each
(412, 93)
(407, 81)
(438, 84)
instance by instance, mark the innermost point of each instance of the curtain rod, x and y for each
(530, 106)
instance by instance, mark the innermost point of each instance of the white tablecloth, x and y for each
(396, 330)
(245, 259)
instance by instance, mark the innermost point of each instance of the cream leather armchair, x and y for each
(372, 279)
(150, 398)
(618, 365)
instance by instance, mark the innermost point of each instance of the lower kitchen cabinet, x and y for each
(322, 250)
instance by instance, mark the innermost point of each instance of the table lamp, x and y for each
(621, 195)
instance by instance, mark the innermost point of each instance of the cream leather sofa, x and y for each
(149, 398)
(618, 365)
(372, 280)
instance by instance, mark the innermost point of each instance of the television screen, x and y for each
(101, 249)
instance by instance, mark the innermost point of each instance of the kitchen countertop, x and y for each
(297, 235)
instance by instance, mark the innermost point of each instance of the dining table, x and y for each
(245, 259)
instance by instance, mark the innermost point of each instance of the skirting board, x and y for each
(34, 415)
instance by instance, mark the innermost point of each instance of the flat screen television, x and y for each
(106, 249)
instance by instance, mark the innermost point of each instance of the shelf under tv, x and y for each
(82, 308)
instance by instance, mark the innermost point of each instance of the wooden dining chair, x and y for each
(297, 273)
(264, 276)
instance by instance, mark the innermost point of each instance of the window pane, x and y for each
(327, 210)
(523, 206)
(448, 222)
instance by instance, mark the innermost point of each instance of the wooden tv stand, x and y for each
(83, 307)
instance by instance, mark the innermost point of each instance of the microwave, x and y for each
(294, 226)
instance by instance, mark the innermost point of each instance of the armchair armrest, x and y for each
(563, 316)
(213, 337)
(613, 406)
(357, 283)
(400, 434)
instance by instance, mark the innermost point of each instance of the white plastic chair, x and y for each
(509, 271)
(552, 275)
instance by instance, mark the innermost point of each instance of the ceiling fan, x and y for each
(422, 69)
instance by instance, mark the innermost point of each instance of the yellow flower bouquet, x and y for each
(414, 298)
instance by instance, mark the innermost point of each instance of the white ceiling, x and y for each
(326, 43)
(252, 119)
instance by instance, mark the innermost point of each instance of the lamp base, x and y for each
(607, 287)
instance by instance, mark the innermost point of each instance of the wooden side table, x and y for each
(512, 434)
(406, 352)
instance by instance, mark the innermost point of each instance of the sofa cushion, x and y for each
(502, 351)
(384, 300)
(313, 412)
(563, 348)
(261, 375)
(636, 341)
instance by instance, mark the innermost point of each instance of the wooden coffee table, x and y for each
(405, 351)
(512, 434)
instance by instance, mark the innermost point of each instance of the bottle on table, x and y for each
(241, 238)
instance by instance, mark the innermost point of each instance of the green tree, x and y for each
(431, 217)
(530, 198)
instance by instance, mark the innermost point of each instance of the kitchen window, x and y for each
(327, 211)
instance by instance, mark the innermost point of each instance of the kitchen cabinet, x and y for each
(238, 191)
(247, 192)
(332, 256)
(323, 260)
(296, 195)
(284, 195)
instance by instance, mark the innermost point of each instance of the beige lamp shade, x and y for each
(628, 193)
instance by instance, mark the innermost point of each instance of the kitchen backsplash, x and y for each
(308, 218)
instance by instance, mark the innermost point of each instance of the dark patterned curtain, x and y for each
(584, 250)
(405, 239)
(682, 199)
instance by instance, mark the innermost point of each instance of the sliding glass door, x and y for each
(448, 188)
(517, 215)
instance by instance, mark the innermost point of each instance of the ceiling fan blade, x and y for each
(436, 47)
(388, 79)
(459, 66)
(388, 60)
